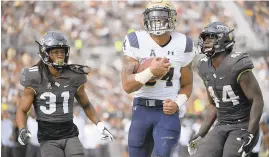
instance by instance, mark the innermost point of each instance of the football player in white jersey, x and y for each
(155, 122)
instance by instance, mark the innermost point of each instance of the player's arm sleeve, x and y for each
(26, 80)
(130, 44)
(243, 65)
(189, 52)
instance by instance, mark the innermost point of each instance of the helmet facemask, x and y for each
(50, 41)
(159, 20)
(59, 62)
(221, 42)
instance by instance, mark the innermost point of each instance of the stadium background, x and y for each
(96, 30)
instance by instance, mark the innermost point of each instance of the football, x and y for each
(146, 63)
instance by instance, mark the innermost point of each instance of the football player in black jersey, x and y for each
(51, 87)
(234, 94)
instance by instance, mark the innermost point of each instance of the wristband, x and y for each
(181, 100)
(144, 76)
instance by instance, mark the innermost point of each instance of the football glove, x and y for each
(246, 146)
(105, 133)
(193, 144)
(24, 135)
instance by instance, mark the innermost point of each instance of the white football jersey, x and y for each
(180, 52)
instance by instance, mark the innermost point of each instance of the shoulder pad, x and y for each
(30, 77)
(130, 44)
(189, 45)
(200, 64)
(200, 61)
(133, 41)
(77, 78)
(242, 62)
(189, 52)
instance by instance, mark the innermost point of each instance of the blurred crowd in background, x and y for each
(93, 23)
(258, 15)
(104, 24)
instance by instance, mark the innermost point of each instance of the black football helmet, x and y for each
(159, 17)
(50, 41)
(223, 39)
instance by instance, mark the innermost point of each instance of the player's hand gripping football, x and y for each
(247, 144)
(169, 107)
(159, 67)
(105, 133)
(193, 144)
(24, 135)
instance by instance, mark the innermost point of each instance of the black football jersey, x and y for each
(223, 86)
(53, 102)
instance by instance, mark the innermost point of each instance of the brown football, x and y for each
(146, 63)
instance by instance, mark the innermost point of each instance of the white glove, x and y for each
(103, 130)
(193, 145)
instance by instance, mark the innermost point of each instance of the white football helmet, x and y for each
(159, 17)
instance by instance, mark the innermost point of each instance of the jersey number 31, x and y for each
(52, 102)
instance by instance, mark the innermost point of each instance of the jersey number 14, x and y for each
(226, 91)
(52, 102)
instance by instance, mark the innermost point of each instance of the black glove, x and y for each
(247, 144)
(24, 135)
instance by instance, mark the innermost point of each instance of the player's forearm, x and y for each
(24, 106)
(130, 84)
(91, 113)
(255, 115)
(209, 120)
(186, 80)
(186, 89)
(129, 81)
(21, 117)
(266, 140)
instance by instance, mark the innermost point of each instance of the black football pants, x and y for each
(69, 147)
(221, 141)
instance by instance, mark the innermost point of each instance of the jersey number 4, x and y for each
(226, 91)
(52, 102)
(168, 77)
